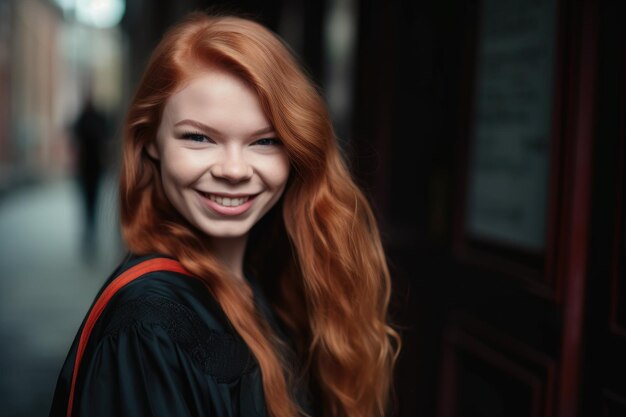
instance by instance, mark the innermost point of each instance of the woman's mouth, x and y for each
(227, 201)
(228, 205)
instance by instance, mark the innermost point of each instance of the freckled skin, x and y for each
(226, 158)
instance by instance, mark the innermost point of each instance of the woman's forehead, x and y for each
(217, 97)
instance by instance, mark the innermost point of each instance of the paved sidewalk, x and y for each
(45, 287)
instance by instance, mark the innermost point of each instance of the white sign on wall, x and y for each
(512, 123)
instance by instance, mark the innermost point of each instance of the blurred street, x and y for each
(46, 286)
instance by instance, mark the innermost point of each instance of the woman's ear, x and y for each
(153, 150)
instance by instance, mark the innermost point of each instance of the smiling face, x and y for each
(222, 166)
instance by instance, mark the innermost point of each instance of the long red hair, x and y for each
(318, 251)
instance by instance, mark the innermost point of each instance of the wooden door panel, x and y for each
(604, 377)
(526, 370)
(511, 148)
(487, 373)
(613, 405)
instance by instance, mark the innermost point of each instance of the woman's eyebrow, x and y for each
(209, 129)
(198, 125)
(268, 129)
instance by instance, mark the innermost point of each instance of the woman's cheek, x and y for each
(187, 166)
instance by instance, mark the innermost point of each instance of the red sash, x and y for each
(142, 268)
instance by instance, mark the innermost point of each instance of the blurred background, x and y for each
(489, 136)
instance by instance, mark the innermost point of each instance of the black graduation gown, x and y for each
(163, 347)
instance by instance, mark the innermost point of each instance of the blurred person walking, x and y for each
(89, 131)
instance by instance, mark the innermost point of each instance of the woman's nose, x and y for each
(232, 167)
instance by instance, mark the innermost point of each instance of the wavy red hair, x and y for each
(318, 251)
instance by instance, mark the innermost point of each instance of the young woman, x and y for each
(231, 170)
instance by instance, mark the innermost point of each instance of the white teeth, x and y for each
(226, 201)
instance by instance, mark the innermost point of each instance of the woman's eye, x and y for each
(268, 142)
(196, 137)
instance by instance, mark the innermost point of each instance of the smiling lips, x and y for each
(227, 205)
(228, 202)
